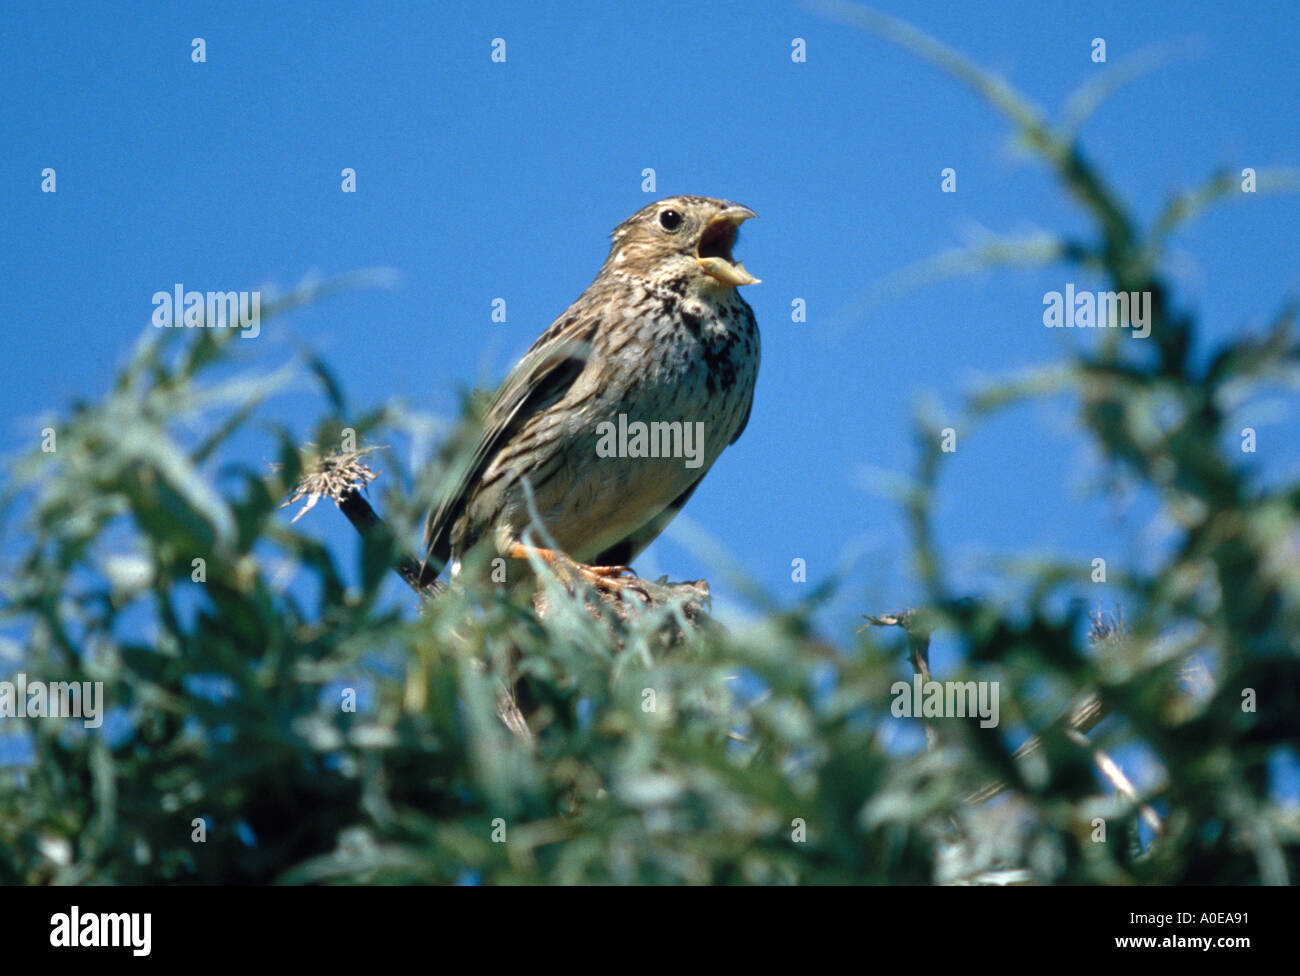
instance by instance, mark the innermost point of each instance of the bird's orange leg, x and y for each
(608, 578)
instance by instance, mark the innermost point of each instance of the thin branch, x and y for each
(1110, 769)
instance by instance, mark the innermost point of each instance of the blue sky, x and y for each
(479, 180)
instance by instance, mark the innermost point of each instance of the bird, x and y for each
(660, 342)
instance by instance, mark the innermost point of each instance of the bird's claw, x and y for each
(608, 572)
(613, 579)
(605, 579)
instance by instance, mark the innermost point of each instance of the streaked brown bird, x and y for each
(661, 338)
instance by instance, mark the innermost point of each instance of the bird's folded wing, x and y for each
(540, 380)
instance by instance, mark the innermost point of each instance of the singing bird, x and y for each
(661, 336)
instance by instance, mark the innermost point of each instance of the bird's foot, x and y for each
(605, 579)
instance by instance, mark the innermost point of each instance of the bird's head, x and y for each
(686, 238)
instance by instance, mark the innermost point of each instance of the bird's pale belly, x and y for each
(630, 459)
(611, 500)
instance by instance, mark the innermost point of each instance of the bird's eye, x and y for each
(670, 220)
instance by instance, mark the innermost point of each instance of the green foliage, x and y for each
(754, 756)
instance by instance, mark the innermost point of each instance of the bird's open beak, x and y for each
(714, 249)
